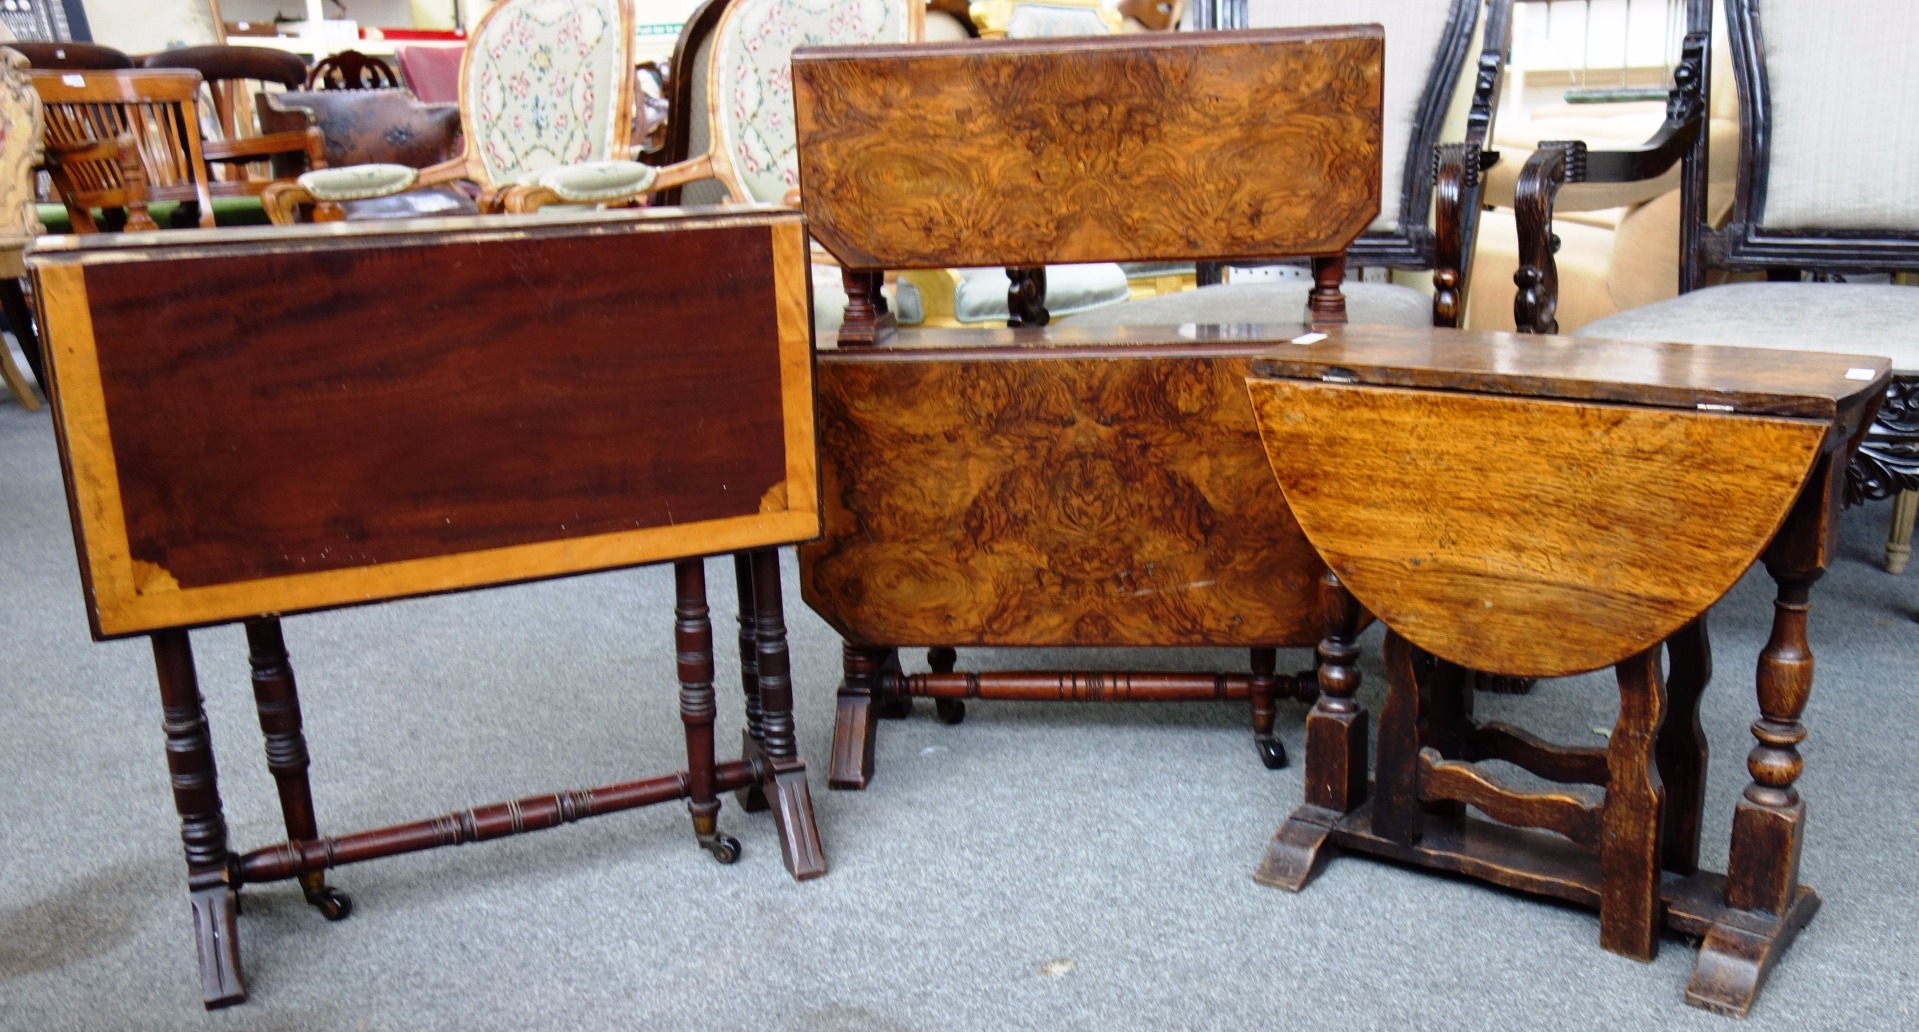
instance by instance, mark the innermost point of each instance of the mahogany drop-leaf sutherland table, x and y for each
(260, 422)
(1540, 507)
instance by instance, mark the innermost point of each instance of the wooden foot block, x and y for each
(793, 815)
(1297, 848)
(218, 941)
(752, 798)
(853, 743)
(1739, 952)
(1336, 760)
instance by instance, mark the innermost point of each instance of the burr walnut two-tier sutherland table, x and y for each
(261, 422)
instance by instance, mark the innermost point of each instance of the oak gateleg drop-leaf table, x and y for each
(257, 422)
(1538, 507)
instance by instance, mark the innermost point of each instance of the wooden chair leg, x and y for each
(1629, 907)
(752, 798)
(278, 702)
(16, 381)
(792, 802)
(693, 639)
(1905, 508)
(203, 827)
(13, 301)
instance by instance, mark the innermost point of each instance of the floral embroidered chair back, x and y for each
(547, 83)
(749, 80)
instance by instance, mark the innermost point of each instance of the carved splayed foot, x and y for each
(793, 815)
(1297, 849)
(1739, 952)
(218, 940)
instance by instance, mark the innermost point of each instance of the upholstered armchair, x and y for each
(1431, 191)
(1031, 19)
(21, 147)
(377, 126)
(741, 146)
(546, 102)
(1618, 242)
(1824, 193)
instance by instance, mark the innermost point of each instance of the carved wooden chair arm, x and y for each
(308, 141)
(1558, 162)
(1459, 174)
(522, 199)
(133, 179)
(287, 201)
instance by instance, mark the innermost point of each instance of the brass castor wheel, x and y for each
(1272, 752)
(951, 711)
(725, 848)
(333, 904)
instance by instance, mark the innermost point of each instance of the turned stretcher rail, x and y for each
(1094, 687)
(498, 820)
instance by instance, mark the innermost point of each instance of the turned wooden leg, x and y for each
(1765, 905)
(1336, 728)
(792, 802)
(858, 716)
(203, 828)
(942, 660)
(693, 640)
(1681, 750)
(1326, 304)
(1629, 861)
(752, 798)
(1263, 697)
(278, 702)
(1905, 509)
(1335, 747)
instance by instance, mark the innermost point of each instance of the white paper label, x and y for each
(1859, 374)
(1309, 338)
(74, 80)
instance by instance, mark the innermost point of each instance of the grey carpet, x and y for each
(1038, 867)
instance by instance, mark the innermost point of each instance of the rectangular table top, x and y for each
(264, 421)
(1753, 381)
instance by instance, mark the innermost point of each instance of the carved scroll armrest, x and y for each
(1558, 162)
(1458, 185)
(531, 198)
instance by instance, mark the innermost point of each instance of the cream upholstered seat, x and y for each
(731, 137)
(1283, 302)
(978, 297)
(1429, 43)
(1824, 187)
(1845, 317)
(546, 97)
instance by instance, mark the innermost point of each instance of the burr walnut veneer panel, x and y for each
(1252, 144)
(1053, 496)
